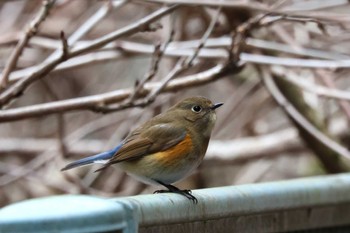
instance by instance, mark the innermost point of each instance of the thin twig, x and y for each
(157, 56)
(30, 32)
(65, 47)
(61, 126)
(239, 37)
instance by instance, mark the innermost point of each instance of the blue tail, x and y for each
(104, 156)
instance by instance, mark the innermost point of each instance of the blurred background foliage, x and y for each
(256, 139)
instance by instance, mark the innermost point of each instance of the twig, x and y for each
(204, 38)
(294, 62)
(239, 37)
(157, 56)
(61, 126)
(307, 52)
(30, 32)
(65, 47)
(179, 67)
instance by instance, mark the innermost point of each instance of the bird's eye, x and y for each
(196, 108)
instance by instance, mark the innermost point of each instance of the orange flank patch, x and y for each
(177, 152)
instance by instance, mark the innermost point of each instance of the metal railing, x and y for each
(319, 203)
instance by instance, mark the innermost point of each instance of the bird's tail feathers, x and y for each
(101, 158)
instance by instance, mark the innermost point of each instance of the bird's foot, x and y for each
(172, 189)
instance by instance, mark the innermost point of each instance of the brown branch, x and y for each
(96, 101)
(61, 124)
(65, 47)
(30, 32)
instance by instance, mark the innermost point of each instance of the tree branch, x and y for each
(95, 102)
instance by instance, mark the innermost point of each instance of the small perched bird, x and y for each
(165, 149)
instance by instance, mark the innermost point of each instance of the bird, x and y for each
(165, 149)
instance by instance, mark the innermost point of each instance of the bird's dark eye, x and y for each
(196, 108)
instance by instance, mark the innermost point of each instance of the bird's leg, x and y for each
(173, 189)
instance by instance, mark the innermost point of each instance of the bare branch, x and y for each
(95, 102)
(65, 47)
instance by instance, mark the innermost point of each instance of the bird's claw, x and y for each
(187, 193)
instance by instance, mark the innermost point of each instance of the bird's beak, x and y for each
(215, 106)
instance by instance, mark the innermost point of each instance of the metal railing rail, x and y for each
(283, 206)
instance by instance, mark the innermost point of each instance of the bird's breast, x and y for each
(177, 153)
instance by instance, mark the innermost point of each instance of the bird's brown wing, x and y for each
(145, 141)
